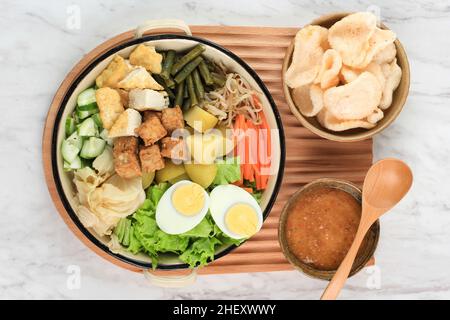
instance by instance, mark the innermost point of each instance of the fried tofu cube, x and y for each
(126, 162)
(147, 57)
(151, 130)
(173, 148)
(109, 104)
(126, 124)
(151, 158)
(139, 78)
(147, 99)
(172, 119)
(150, 113)
(114, 72)
(123, 97)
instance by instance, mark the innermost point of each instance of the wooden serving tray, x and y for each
(308, 157)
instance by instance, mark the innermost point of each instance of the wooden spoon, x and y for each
(386, 183)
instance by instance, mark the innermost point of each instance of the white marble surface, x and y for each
(36, 248)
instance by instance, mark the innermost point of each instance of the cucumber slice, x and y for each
(70, 126)
(75, 140)
(82, 114)
(104, 136)
(89, 107)
(97, 120)
(86, 97)
(69, 151)
(92, 148)
(119, 230)
(75, 164)
(88, 128)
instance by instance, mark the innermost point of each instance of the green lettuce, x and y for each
(195, 247)
(228, 171)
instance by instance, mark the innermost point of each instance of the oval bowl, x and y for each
(398, 100)
(365, 253)
(59, 182)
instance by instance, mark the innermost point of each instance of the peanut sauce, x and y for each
(321, 225)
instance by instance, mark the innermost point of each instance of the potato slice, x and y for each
(329, 70)
(203, 174)
(306, 57)
(200, 119)
(170, 171)
(327, 120)
(393, 74)
(355, 100)
(350, 37)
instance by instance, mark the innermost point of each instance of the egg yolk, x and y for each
(188, 199)
(242, 220)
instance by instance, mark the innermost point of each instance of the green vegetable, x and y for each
(87, 128)
(218, 79)
(228, 171)
(187, 70)
(70, 126)
(204, 71)
(86, 97)
(167, 64)
(97, 120)
(188, 57)
(195, 247)
(71, 147)
(180, 94)
(186, 104)
(165, 85)
(198, 85)
(92, 148)
(191, 90)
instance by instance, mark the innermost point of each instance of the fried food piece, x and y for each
(151, 158)
(172, 119)
(139, 78)
(151, 130)
(123, 97)
(114, 72)
(147, 57)
(327, 120)
(173, 148)
(126, 124)
(126, 162)
(150, 113)
(110, 106)
(307, 56)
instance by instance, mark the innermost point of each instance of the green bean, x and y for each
(186, 104)
(204, 71)
(198, 85)
(180, 94)
(218, 79)
(187, 69)
(188, 57)
(162, 82)
(186, 92)
(170, 83)
(167, 64)
(191, 89)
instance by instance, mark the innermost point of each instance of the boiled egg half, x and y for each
(235, 211)
(182, 207)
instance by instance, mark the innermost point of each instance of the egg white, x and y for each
(170, 220)
(223, 198)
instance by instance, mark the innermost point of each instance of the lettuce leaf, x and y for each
(200, 252)
(228, 171)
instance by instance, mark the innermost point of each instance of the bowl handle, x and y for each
(162, 24)
(171, 281)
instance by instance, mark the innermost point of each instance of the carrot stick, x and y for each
(249, 190)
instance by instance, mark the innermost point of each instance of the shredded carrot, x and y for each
(249, 190)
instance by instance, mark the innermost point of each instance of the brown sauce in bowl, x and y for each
(321, 225)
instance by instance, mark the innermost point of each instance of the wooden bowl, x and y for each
(365, 252)
(398, 100)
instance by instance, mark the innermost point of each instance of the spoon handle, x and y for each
(340, 277)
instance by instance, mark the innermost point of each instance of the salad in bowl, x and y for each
(169, 152)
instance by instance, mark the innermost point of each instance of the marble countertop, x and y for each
(41, 42)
